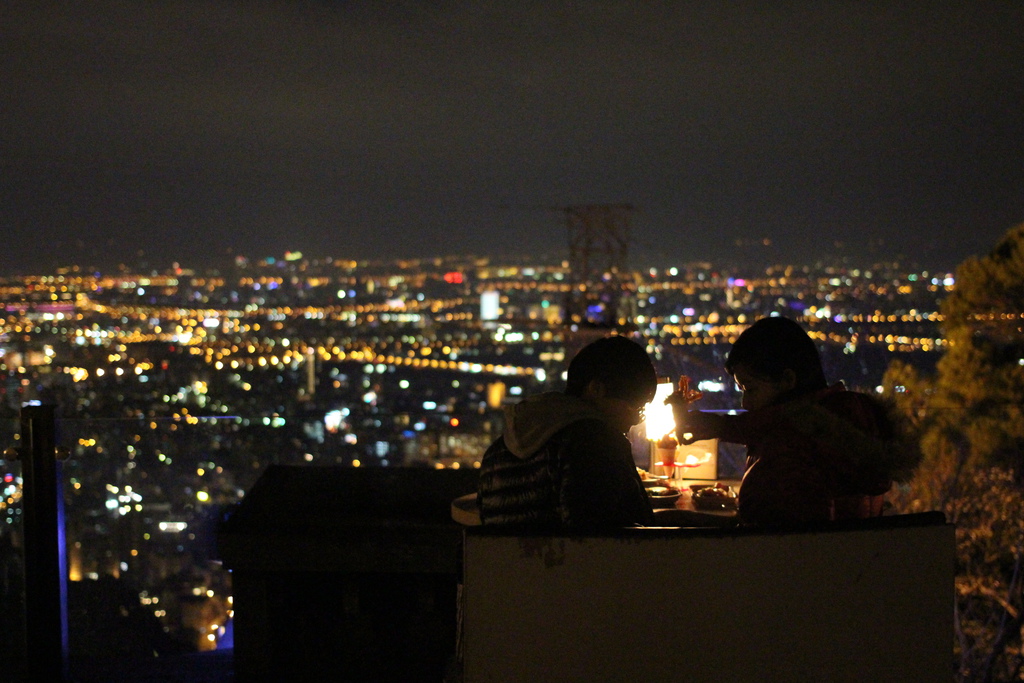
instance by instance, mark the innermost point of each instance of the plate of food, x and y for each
(717, 497)
(650, 480)
(663, 496)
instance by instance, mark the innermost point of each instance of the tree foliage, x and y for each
(969, 422)
(980, 382)
(989, 515)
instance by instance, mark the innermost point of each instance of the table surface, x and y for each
(466, 512)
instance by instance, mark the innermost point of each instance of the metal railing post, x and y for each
(46, 625)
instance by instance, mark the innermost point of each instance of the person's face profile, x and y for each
(620, 412)
(758, 390)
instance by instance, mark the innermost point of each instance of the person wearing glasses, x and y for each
(815, 452)
(563, 460)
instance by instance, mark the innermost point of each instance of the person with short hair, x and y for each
(814, 452)
(563, 460)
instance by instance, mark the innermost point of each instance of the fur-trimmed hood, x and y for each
(531, 422)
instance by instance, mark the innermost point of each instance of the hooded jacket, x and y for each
(559, 464)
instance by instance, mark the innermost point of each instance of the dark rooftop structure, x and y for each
(351, 571)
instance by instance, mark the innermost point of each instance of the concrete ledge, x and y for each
(868, 601)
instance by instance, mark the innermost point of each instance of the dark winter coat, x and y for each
(826, 456)
(559, 464)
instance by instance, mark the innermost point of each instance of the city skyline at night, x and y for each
(176, 391)
(345, 237)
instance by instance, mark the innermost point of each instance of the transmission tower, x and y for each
(599, 284)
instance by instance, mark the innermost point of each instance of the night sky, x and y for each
(188, 131)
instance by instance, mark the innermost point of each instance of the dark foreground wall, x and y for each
(345, 574)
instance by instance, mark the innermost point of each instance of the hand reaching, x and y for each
(694, 425)
(684, 391)
(698, 425)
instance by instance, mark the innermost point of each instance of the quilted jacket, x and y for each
(559, 464)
